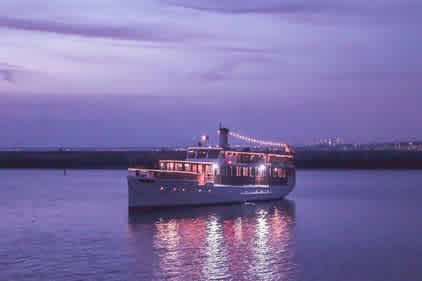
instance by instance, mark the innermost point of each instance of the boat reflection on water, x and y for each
(232, 242)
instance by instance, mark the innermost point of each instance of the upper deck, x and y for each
(203, 154)
(232, 156)
(225, 165)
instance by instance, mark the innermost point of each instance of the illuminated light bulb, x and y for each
(253, 140)
(262, 167)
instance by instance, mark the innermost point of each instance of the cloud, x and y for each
(246, 50)
(384, 11)
(16, 74)
(135, 32)
(377, 75)
(266, 7)
(227, 69)
(9, 72)
(6, 75)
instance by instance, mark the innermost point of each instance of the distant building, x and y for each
(331, 141)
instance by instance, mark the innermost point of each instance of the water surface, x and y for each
(336, 225)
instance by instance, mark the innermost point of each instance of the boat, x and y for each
(214, 175)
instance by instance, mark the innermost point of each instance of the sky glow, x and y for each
(156, 72)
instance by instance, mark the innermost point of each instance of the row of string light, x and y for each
(257, 141)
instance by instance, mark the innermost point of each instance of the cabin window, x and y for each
(226, 171)
(215, 171)
(230, 171)
(261, 172)
(277, 172)
(213, 154)
(244, 158)
(208, 169)
(187, 167)
(202, 154)
(276, 159)
(245, 171)
(256, 159)
(191, 154)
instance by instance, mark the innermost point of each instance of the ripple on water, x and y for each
(239, 242)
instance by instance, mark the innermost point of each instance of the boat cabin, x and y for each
(222, 165)
(219, 166)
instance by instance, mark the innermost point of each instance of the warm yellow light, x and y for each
(161, 171)
(253, 140)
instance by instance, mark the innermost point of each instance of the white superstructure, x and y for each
(213, 175)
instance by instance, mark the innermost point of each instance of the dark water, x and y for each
(336, 225)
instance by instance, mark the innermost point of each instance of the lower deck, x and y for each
(179, 193)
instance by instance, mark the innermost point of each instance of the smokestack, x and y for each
(223, 137)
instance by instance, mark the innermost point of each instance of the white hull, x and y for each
(165, 193)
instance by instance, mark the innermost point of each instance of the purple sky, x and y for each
(156, 72)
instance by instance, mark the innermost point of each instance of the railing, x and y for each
(167, 174)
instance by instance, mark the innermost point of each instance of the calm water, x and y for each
(336, 225)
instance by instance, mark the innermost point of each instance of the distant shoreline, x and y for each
(366, 160)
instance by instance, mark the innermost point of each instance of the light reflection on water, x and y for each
(237, 242)
(216, 265)
(262, 251)
(343, 225)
